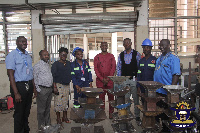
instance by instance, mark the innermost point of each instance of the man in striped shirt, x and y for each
(43, 82)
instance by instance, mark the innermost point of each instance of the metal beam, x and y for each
(58, 1)
(29, 5)
(5, 33)
(180, 17)
(88, 18)
(25, 22)
(90, 27)
(90, 31)
(65, 4)
(87, 25)
(175, 28)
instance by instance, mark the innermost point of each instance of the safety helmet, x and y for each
(75, 49)
(147, 42)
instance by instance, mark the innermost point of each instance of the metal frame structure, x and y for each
(15, 24)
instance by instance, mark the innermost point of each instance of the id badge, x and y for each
(27, 70)
(83, 79)
(27, 86)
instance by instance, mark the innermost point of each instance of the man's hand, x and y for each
(18, 98)
(138, 90)
(55, 90)
(91, 85)
(35, 93)
(10, 73)
(105, 81)
(34, 89)
(78, 88)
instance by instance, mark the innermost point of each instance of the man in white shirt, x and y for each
(43, 83)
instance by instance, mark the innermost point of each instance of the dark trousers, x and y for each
(22, 109)
(77, 95)
(162, 116)
(110, 98)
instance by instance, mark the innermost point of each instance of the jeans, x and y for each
(133, 91)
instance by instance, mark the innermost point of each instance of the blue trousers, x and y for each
(77, 95)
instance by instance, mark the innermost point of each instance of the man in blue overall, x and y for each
(146, 64)
(127, 65)
(20, 73)
(167, 66)
(81, 75)
(167, 72)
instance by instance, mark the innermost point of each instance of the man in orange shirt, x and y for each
(104, 66)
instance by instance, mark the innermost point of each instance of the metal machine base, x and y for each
(120, 128)
(97, 129)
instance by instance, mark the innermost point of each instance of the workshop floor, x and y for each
(7, 121)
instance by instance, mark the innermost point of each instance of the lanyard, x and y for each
(20, 52)
(82, 68)
(162, 58)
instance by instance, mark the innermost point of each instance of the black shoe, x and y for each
(138, 119)
(165, 129)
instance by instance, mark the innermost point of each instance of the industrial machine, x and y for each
(122, 118)
(90, 113)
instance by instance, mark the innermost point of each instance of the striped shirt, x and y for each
(42, 75)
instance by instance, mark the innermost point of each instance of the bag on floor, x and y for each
(3, 104)
(10, 104)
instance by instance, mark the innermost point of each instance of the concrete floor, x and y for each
(7, 121)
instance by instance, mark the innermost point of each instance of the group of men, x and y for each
(22, 85)
(165, 69)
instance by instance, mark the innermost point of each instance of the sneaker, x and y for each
(138, 121)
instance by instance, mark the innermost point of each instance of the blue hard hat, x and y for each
(147, 42)
(75, 49)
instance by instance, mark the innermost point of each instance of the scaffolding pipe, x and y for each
(175, 28)
(5, 33)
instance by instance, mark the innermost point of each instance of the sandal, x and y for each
(110, 116)
(66, 120)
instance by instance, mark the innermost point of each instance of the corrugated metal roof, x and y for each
(80, 17)
(70, 5)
